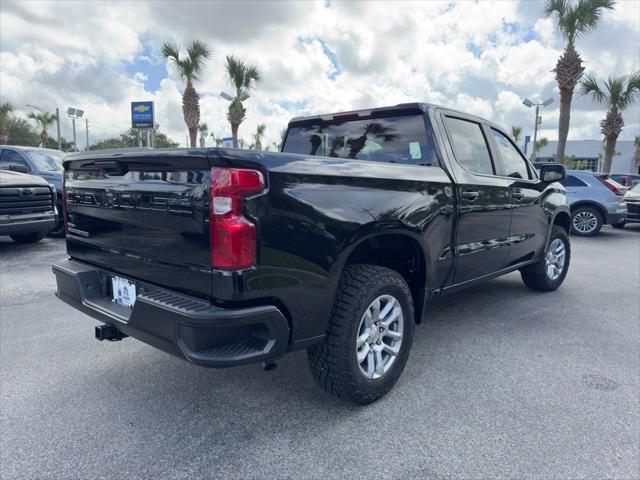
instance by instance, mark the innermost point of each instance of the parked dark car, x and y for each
(27, 206)
(43, 162)
(225, 257)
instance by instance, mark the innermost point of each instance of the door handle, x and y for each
(517, 196)
(470, 195)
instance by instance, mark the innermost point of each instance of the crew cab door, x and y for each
(529, 222)
(481, 242)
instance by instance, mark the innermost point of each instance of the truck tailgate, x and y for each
(142, 214)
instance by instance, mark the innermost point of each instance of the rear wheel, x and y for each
(369, 335)
(549, 273)
(586, 221)
(28, 237)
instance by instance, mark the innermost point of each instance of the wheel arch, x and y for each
(587, 203)
(398, 250)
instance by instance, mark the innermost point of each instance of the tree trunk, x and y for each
(568, 71)
(234, 134)
(563, 123)
(258, 144)
(191, 112)
(193, 136)
(609, 151)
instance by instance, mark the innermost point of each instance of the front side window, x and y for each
(469, 145)
(11, 158)
(401, 139)
(513, 164)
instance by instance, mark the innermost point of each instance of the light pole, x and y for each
(538, 121)
(73, 114)
(57, 122)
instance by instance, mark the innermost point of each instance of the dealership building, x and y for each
(586, 155)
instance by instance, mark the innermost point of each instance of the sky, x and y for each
(314, 57)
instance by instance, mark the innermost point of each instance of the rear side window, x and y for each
(469, 145)
(572, 181)
(512, 162)
(402, 139)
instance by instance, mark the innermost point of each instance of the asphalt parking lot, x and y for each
(502, 382)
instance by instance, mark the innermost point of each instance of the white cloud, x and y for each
(481, 57)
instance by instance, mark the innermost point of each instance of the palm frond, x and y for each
(589, 86)
(588, 13)
(171, 51)
(5, 109)
(555, 6)
(236, 73)
(251, 76)
(260, 129)
(197, 53)
(632, 90)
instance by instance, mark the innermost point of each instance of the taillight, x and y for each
(64, 202)
(233, 237)
(615, 187)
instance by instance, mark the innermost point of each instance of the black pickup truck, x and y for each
(335, 245)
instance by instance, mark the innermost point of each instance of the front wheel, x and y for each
(549, 273)
(369, 335)
(28, 237)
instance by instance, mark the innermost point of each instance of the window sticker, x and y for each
(414, 150)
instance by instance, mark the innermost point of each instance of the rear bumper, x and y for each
(184, 326)
(10, 225)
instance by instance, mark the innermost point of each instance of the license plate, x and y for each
(123, 292)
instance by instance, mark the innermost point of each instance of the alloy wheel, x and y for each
(555, 258)
(379, 336)
(585, 221)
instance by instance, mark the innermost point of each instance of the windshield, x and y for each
(636, 188)
(391, 139)
(47, 162)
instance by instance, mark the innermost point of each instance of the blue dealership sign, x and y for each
(142, 115)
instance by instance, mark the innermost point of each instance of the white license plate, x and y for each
(123, 292)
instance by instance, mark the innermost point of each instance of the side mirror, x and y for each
(553, 172)
(19, 168)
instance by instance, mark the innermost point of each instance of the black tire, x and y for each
(58, 230)
(619, 224)
(28, 237)
(537, 277)
(334, 363)
(588, 212)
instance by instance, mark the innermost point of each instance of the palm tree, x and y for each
(515, 133)
(257, 137)
(618, 94)
(537, 146)
(574, 20)
(189, 67)
(242, 78)
(43, 120)
(204, 132)
(216, 140)
(5, 109)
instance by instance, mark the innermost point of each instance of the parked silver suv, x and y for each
(595, 199)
